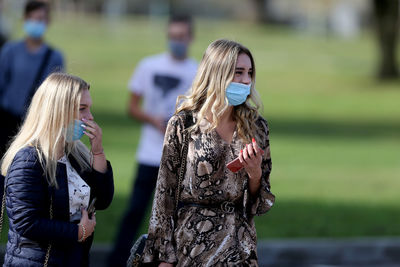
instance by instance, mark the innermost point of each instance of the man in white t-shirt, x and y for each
(155, 85)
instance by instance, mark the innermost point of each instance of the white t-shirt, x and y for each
(159, 80)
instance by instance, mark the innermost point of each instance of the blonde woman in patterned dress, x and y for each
(213, 225)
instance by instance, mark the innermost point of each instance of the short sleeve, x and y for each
(137, 83)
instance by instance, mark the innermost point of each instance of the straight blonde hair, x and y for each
(53, 108)
(207, 94)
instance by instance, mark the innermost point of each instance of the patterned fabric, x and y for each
(198, 235)
(78, 190)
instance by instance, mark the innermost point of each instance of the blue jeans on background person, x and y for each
(143, 188)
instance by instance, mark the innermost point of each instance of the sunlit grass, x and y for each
(334, 130)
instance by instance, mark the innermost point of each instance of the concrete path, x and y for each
(365, 252)
(354, 252)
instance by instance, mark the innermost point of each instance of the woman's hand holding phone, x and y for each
(86, 225)
(91, 209)
(249, 158)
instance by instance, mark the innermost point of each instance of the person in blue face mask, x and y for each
(205, 217)
(52, 177)
(154, 87)
(24, 64)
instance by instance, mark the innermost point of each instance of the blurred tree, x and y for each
(261, 10)
(176, 7)
(3, 37)
(386, 14)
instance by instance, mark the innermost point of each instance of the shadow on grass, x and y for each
(290, 127)
(116, 119)
(302, 218)
(108, 221)
(289, 219)
(332, 129)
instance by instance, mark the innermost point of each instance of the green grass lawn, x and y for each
(335, 131)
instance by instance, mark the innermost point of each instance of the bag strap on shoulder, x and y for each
(39, 73)
(188, 122)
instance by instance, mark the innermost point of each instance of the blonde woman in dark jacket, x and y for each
(52, 177)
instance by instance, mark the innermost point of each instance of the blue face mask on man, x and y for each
(177, 48)
(75, 131)
(35, 29)
(237, 93)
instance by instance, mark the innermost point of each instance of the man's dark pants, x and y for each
(143, 188)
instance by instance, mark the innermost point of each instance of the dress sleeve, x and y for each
(159, 244)
(137, 83)
(265, 200)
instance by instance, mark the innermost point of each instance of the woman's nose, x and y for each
(89, 116)
(246, 79)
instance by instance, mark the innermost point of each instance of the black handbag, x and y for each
(137, 249)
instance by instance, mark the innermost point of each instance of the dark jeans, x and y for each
(143, 188)
(8, 128)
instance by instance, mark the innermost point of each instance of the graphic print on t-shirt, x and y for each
(166, 83)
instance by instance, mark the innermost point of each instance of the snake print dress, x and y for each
(216, 228)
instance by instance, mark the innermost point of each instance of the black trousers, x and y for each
(9, 125)
(8, 128)
(143, 188)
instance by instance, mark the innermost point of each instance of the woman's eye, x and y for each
(81, 109)
(238, 72)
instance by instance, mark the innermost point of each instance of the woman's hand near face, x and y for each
(95, 134)
(251, 158)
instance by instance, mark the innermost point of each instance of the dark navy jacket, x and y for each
(28, 206)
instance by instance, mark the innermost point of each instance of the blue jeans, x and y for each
(143, 188)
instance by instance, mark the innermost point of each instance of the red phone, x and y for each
(235, 165)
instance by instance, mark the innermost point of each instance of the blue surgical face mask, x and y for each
(75, 131)
(237, 93)
(35, 29)
(178, 49)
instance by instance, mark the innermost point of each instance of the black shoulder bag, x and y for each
(39, 75)
(138, 246)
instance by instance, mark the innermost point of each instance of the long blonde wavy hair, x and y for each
(207, 94)
(54, 106)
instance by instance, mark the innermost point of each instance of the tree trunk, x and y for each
(175, 7)
(261, 10)
(387, 23)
